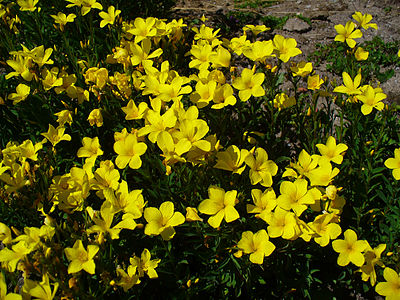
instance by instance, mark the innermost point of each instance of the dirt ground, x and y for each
(324, 15)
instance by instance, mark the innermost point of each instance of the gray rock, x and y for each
(392, 87)
(296, 25)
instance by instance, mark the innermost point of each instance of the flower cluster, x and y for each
(137, 137)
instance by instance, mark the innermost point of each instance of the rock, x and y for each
(392, 87)
(296, 25)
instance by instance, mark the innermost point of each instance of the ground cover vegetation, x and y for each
(148, 158)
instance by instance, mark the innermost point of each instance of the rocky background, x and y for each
(310, 22)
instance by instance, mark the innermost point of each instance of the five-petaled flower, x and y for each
(249, 84)
(129, 151)
(220, 206)
(390, 288)
(109, 18)
(331, 151)
(81, 258)
(261, 168)
(144, 264)
(350, 249)
(347, 33)
(350, 87)
(56, 135)
(394, 163)
(162, 221)
(257, 245)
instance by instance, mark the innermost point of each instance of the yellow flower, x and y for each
(350, 249)
(255, 29)
(325, 229)
(190, 134)
(162, 221)
(64, 116)
(305, 164)
(120, 136)
(204, 93)
(372, 258)
(144, 264)
(87, 5)
(196, 156)
(49, 78)
(143, 29)
(295, 196)
(314, 82)
(95, 118)
(207, 33)
(203, 18)
(80, 258)
(239, 44)
(28, 150)
(27, 5)
(5, 234)
(220, 205)
(281, 223)
(63, 19)
(103, 224)
(91, 148)
(361, 54)
(21, 66)
(285, 48)
(191, 215)
(350, 87)
(105, 177)
(201, 56)
(128, 279)
(40, 290)
(10, 258)
(394, 163)
(261, 169)
(223, 96)
(249, 84)
(283, 101)
(155, 123)
(108, 18)
(363, 20)
(22, 93)
(301, 69)
(264, 202)
(391, 288)
(221, 58)
(133, 112)
(257, 244)
(347, 33)
(172, 152)
(76, 92)
(324, 174)
(17, 179)
(331, 151)
(129, 202)
(129, 151)
(174, 90)
(3, 290)
(98, 76)
(232, 159)
(371, 98)
(56, 135)
(38, 54)
(74, 3)
(141, 54)
(259, 51)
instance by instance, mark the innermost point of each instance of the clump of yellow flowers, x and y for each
(104, 207)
